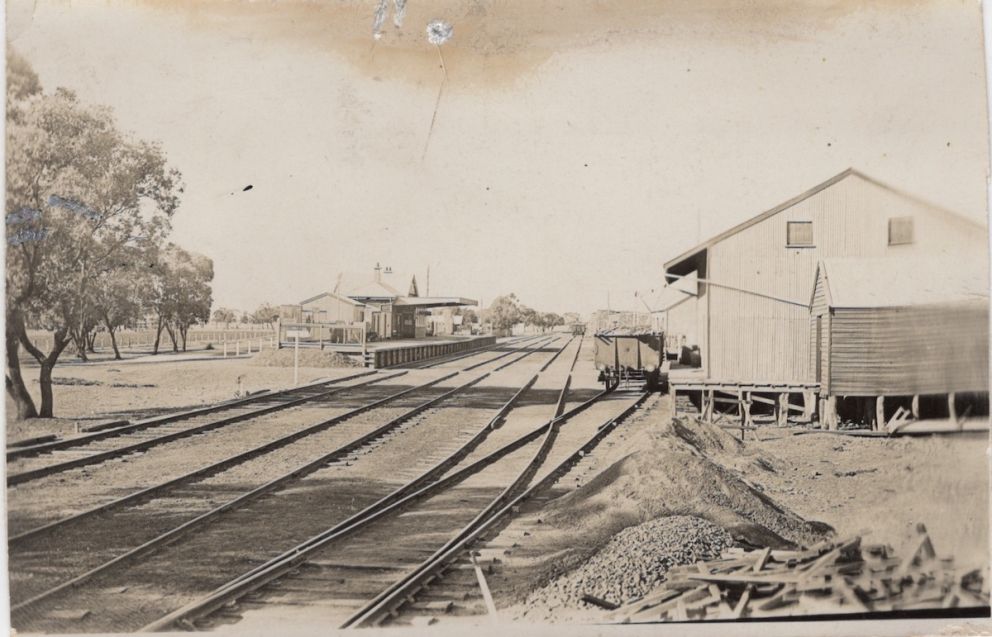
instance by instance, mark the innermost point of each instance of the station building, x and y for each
(375, 300)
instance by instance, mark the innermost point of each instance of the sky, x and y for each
(577, 144)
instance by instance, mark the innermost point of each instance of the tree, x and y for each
(504, 312)
(182, 293)
(79, 192)
(225, 316)
(265, 314)
(470, 316)
(528, 316)
(550, 320)
(121, 293)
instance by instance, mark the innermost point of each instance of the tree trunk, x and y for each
(79, 340)
(59, 343)
(183, 330)
(16, 388)
(60, 339)
(45, 380)
(113, 343)
(172, 336)
(158, 335)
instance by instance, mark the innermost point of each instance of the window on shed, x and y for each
(799, 233)
(900, 231)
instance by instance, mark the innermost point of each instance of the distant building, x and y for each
(603, 320)
(441, 322)
(375, 300)
(328, 307)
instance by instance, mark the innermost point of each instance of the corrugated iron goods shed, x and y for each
(755, 280)
(900, 327)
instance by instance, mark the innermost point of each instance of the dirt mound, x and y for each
(308, 358)
(681, 473)
(635, 560)
(722, 446)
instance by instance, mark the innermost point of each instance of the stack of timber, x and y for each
(828, 578)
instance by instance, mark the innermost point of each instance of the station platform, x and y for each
(393, 352)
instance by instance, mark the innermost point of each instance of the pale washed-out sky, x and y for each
(577, 146)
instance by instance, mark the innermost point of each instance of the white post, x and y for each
(296, 361)
(225, 348)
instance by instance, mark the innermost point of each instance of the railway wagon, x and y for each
(634, 359)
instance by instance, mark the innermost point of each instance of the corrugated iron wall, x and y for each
(819, 330)
(906, 351)
(684, 320)
(756, 339)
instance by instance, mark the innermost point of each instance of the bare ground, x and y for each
(874, 486)
(135, 389)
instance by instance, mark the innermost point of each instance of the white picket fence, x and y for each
(228, 342)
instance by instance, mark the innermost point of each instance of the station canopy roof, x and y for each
(434, 301)
(389, 287)
(902, 282)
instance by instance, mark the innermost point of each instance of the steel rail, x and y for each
(528, 471)
(531, 348)
(426, 485)
(451, 460)
(525, 475)
(220, 465)
(555, 357)
(387, 603)
(58, 467)
(293, 558)
(75, 441)
(173, 534)
(434, 361)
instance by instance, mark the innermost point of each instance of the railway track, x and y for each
(450, 358)
(379, 549)
(474, 583)
(241, 498)
(39, 461)
(231, 405)
(32, 463)
(24, 526)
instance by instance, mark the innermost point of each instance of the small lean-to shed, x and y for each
(900, 327)
(328, 307)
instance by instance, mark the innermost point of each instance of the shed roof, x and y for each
(797, 199)
(365, 286)
(322, 295)
(900, 282)
(675, 294)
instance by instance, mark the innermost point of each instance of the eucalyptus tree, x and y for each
(80, 193)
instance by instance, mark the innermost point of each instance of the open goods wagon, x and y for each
(631, 359)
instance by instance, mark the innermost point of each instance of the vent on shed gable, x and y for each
(799, 233)
(900, 231)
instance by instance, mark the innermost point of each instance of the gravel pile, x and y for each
(635, 560)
